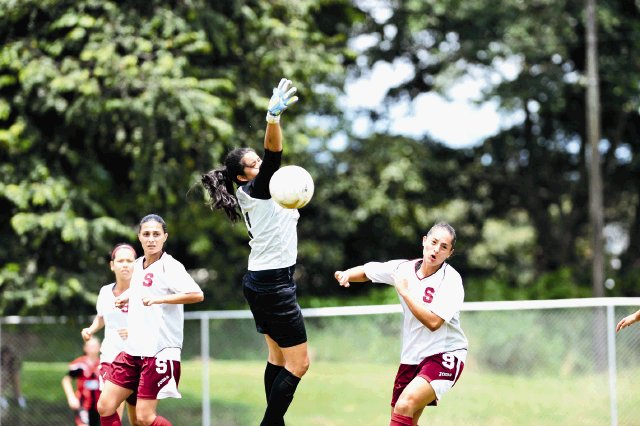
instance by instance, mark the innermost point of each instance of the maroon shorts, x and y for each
(442, 371)
(148, 377)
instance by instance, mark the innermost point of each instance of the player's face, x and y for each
(122, 264)
(152, 237)
(251, 162)
(437, 246)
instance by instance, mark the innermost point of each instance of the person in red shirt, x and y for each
(84, 399)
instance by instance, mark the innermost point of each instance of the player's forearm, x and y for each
(67, 387)
(97, 324)
(181, 298)
(422, 314)
(356, 274)
(273, 137)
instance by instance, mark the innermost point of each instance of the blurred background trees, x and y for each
(111, 110)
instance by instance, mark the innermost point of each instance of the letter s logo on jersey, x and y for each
(428, 295)
(148, 280)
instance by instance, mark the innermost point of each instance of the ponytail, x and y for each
(221, 193)
(219, 184)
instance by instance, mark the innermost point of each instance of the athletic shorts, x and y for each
(271, 295)
(148, 377)
(441, 371)
(104, 372)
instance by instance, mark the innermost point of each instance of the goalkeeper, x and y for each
(268, 284)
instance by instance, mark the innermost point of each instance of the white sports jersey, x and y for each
(114, 319)
(157, 327)
(442, 293)
(272, 228)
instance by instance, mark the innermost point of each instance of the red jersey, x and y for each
(85, 371)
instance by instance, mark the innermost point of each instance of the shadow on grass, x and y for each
(188, 412)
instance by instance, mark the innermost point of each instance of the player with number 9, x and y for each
(268, 284)
(434, 347)
(150, 364)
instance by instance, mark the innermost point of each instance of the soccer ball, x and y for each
(291, 187)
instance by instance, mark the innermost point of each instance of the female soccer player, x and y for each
(150, 365)
(114, 320)
(434, 347)
(84, 370)
(268, 284)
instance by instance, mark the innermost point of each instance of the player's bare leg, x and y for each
(417, 395)
(146, 413)
(131, 413)
(111, 397)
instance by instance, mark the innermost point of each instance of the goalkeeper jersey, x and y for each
(272, 228)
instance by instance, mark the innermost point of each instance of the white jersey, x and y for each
(442, 293)
(157, 327)
(114, 319)
(272, 228)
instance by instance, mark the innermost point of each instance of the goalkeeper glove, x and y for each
(280, 100)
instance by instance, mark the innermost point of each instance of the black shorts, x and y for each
(272, 298)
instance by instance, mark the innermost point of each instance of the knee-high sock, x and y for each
(284, 386)
(161, 421)
(112, 420)
(270, 374)
(400, 420)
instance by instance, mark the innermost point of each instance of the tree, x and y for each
(110, 110)
(539, 163)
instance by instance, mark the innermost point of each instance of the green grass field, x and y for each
(341, 394)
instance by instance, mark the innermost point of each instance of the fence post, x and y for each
(204, 355)
(611, 355)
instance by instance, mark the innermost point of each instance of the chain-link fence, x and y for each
(538, 363)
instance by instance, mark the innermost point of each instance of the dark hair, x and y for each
(448, 228)
(122, 245)
(153, 218)
(219, 184)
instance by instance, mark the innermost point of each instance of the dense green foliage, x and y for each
(111, 110)
(528, 184)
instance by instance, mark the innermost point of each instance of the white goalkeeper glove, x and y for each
(281, 99)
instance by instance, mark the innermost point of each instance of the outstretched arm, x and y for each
(355, 275)
(174, 299)
(282, 98)
(628, 320)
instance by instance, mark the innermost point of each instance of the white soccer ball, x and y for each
(291, 187)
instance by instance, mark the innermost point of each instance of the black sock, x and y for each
(270, 374)
(284, 386)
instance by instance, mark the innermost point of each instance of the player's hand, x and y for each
(123, 333)
(148, 301)
(282, 98)
(342, 277)
(121, 302)
(86, 334)
(628, 320)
